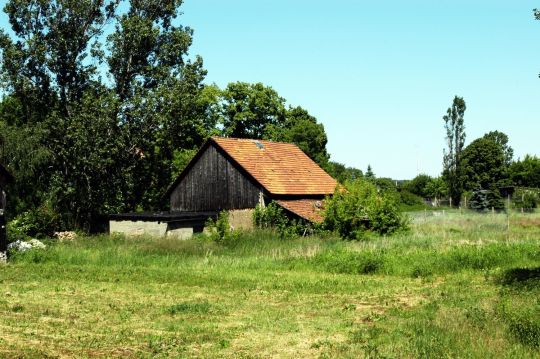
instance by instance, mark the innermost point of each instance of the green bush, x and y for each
(273, 217)
(220, 229)
(40, 223)
(360, 208)
(484, 200)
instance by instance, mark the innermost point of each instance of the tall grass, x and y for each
(458, 285)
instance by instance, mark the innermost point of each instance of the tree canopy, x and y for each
(103, 95)
(484, 164)
(455, 138)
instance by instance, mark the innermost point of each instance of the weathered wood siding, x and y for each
(214, 184)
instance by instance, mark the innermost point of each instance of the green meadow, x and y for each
(455, 285)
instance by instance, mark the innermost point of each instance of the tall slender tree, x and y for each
(455, 139)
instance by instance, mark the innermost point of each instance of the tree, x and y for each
(418, 185)
(483, 164)
(436, 189)
(343, 173)
(92, 131)
(360, 209)
(303, 130)
(252, 111)
(369, 173)
(526, 172)
(455, 138)
(257, 111)
(501, 139)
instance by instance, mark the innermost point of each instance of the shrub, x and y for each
(274, 217)
(271, 216)
(40, 222)
(220, 229)
(360, 208)
(484, 200)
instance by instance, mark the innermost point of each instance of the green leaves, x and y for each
(360, 208)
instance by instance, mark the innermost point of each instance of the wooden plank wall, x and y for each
(214, 184)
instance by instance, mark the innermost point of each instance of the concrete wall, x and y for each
(238, 219)
(154, 228)
(138, 228)
(241, 219)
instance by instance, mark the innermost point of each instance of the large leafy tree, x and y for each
(484, 164)
(526, 172)
(455, 139)
(303, 130)
(501, 139)
(257, 111)
(252, 111)
(99, 114)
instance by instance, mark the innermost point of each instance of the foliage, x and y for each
(526, 172)
(342, 173)
(418, 185)
(41, 222)
(358, 208)
(270, 216)
(251, 110)
(273, 217)
(483, 164)
(410, 201)
(484, 200)
(369, 173)
(501, 139)
(526, 198)
(220, 229)
(257, 111)
(436, 189)
(91, 113)
(303, 130)
(452, 159)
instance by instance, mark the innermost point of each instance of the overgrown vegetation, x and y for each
(455, 285)
(273, 217)
(360, 208)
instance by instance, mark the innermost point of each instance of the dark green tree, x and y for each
(369, 173)
(452, 159)
(257, 111)
(526, 172)
(303, 130)
(418, 185)
(87, 127)
(252, 111)
(343, 173)
(501, 139)
(483, 164)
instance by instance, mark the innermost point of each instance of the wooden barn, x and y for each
(236, 175)
(5, 179)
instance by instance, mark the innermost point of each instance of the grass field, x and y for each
(454, 286)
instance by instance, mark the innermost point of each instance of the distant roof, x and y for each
(281, 168)
(309, 209)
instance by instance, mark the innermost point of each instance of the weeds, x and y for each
(454, 286)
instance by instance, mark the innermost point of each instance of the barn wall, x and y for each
(212, 184)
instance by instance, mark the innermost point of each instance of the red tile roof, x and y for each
(309, 209)
(281, 168)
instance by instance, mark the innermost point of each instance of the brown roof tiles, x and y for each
(281, 168)
(309, 209)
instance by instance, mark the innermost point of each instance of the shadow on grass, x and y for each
(521, 277)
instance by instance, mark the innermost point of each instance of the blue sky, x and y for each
(380, 74)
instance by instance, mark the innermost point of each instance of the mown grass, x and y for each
(458, 285)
